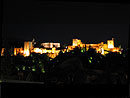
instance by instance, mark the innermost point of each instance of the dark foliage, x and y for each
(74, 67)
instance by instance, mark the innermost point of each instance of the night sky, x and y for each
(62, 21)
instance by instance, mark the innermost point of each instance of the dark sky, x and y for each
(62, 21)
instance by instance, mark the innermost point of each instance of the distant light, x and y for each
(82, 50)
(40, 62)
(23, 67)
(90, 61)
(33, 61)
(91, 58)
(17, 68)
(43, 71)
(29, 67)
(72, 52)
(37, 50)
(33, 69)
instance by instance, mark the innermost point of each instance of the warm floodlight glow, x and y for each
(102, 51)
(110, 43)
(37, 50)
(43, 71)
(44, 51)
(53, 52)
(110, 46)
(51, 45)
(75, 42)
(26, 53)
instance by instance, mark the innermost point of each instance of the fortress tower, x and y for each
(76, 42)
(27, 47)
(110, 43)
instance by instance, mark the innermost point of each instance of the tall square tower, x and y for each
(27, 47)
(110, 43)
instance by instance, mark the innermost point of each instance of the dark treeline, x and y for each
(74, 67)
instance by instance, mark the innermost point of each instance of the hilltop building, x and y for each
(100, 47)
(50, 45)
(52, 49)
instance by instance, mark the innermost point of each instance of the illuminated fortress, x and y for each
(53, 49)
(100, 48)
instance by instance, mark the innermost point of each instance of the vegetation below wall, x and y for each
(74, 67)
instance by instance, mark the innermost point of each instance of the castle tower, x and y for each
(76, 42)
(27, 47)
(110, 43)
